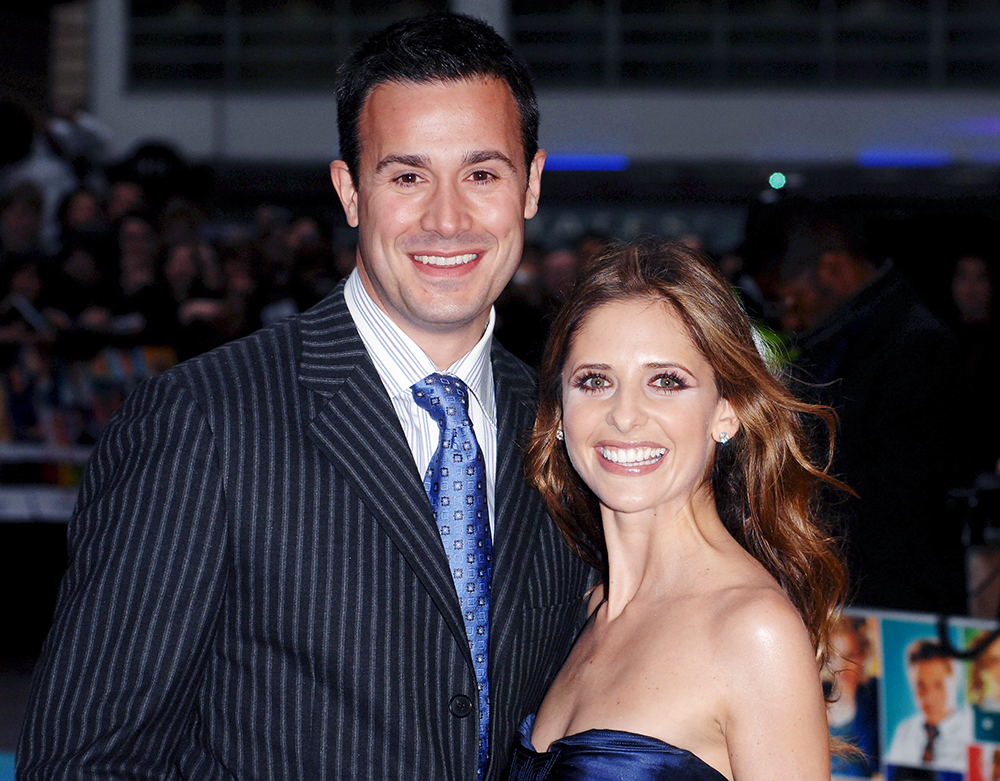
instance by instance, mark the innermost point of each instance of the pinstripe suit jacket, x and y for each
(257, 589)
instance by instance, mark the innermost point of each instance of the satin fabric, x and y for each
(601, 754)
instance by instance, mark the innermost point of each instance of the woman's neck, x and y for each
(660, 551)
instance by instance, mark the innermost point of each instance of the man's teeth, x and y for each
(440, 260)
(633, 456)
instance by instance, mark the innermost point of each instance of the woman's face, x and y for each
(641, 412)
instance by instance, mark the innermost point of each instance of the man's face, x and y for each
(803, 303)
(440, 202)
(932, 677)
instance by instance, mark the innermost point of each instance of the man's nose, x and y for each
(448, 212)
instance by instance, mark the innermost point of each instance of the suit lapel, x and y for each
(518, 508)
(356, 427)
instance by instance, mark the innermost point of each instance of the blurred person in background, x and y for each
(140, 308)
(180, 221)
(277, 264)
(81, 293)
(192, 283)
(557, 274)
(82, 211)
(125, 197)
(938, 734)
(241, 286)
(853, 709)
(22, 319)
(521, 325)
(984, 677)
(28, 156)
(733, 267)
(21, 223)
(138, 248)
(83, 140)
(313, 273)
(973, 318)
(870, 349)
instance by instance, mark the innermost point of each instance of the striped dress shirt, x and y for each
(400, 363)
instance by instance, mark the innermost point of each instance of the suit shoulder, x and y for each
(515, 371)
(248, 360)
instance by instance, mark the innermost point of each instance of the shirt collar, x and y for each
(400, 362)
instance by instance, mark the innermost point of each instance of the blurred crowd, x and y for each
(124, 273)
(111, 271)
(99, 255)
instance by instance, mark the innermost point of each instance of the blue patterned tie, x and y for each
(456, 486)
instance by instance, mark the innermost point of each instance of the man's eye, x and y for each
(407, 178)
(482, 176)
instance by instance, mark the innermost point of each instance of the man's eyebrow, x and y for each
(486, 156)
(413, 161)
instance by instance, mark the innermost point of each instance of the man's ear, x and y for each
(534, 184)
(343, 183)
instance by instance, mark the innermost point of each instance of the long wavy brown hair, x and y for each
(766, 481)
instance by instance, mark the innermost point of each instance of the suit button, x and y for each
(460, 706)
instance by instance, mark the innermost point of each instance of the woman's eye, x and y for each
(668, 382)
(593, 382)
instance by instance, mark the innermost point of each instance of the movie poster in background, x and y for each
(915, 710)
(983, 693)
(856, 660)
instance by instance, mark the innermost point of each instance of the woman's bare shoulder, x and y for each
(758, 625)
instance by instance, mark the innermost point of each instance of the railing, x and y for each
(822, 45)
(292, 50)
(833, 46)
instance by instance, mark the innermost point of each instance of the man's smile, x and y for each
(445, 261)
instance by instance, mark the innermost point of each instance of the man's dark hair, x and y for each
(807, 231)
(436, 47)
(927, 650)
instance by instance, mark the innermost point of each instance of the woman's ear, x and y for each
(726, 421)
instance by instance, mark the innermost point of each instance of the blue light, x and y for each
(903, 158)
(571, 162)
(777, 180)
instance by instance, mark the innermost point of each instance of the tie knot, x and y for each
(445, 397)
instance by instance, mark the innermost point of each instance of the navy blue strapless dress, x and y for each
(605, 755)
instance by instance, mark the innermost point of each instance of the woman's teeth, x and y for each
(633, 456)
(440, 260)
